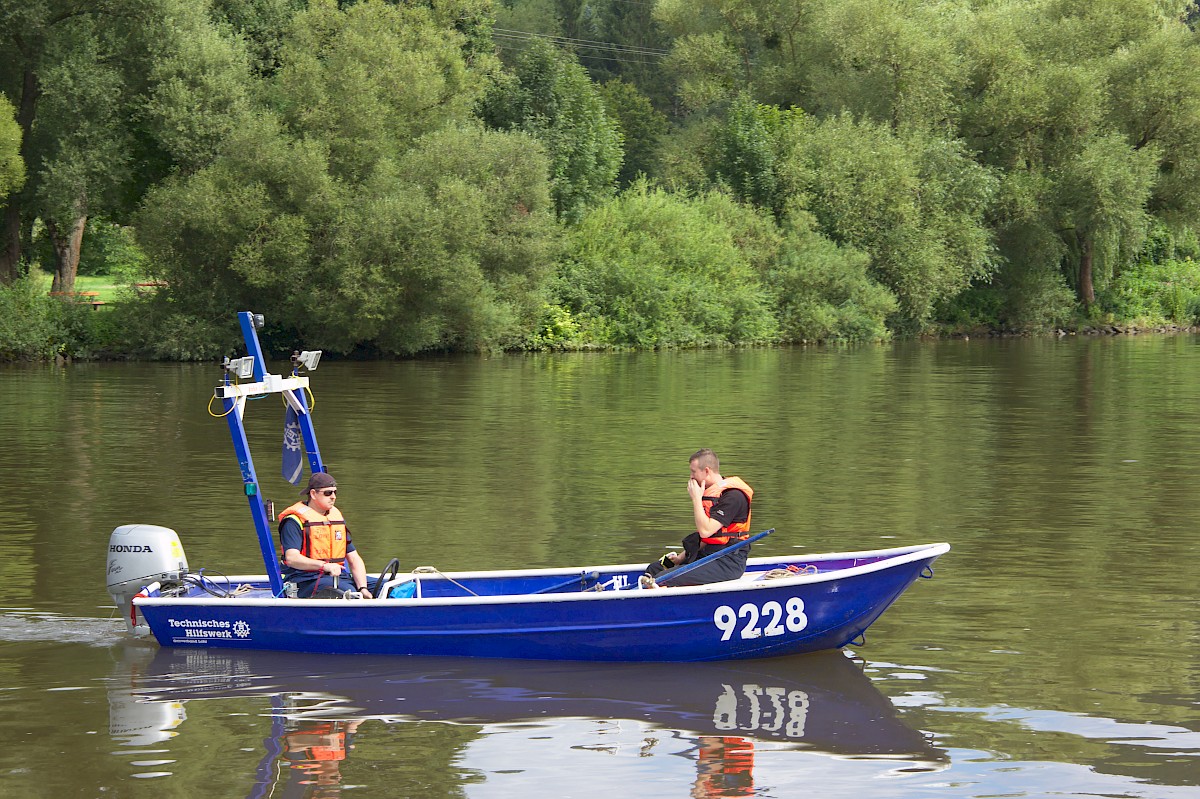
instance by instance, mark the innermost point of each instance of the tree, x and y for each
(1090, 111)
(108, 93)
(372, 78)
(823, 291)
(197, 90)
(1032, 91)
(12, 168)
(550, 97)
(653, 269)
(618, 40)
(362, 205)
(641, 128)
(746, 152)
(916, 203)
(1102, 197)
(263, 24)
(39, 34)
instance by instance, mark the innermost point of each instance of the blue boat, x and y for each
(781, 606)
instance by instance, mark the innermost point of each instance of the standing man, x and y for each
(721, 511)
(317, 550)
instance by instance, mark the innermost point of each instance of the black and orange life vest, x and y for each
(324, 536)
(736, 531)
(325, 741)
(725, 767)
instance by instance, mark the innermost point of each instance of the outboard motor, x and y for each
(140, 554)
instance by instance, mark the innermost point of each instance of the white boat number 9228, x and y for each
(775, 619)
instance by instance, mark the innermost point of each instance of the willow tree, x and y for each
(60, 78)
(111, 96)
(1090, 111)
(12, 167)
(549, 96)
(362, 205)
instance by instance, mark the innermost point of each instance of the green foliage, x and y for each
(685, 154)
(1155, 292)
(36, 326)
(369, 80)
(1163, 243)
(447, 247)
(650, 269)
(156, 329)
(551, 97)
(456, 250)
(623, 42)
(12, 166)
(81, 142)
(706, 67)
(1085, 117)
(29, 324)
(262, 24)
(528, 16)
(823, 291)
(641, 128)
(238, 227)
(915, 203)
(1102, 194)
(110, 249)
(557, 330)
(358, 215)
(322, 162)
(891, 61)
(198, 88)
(746, 153)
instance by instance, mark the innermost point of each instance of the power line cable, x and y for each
(512, 49)
(592, 44)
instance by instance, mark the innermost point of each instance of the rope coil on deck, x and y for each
(438, 572)
(791, 571)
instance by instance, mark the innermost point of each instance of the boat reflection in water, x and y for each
(821, 703)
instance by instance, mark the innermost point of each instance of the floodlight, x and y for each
(309, 359)
(242, 367)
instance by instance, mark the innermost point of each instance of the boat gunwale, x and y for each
(886, 559)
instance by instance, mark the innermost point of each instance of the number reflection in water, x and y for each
(328, 722)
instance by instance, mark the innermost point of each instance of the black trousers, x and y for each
(727, 567)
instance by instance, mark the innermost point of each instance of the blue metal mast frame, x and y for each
(233, 400)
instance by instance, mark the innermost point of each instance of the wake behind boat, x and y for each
(781, 606)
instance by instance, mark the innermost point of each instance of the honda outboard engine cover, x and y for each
(140, 554)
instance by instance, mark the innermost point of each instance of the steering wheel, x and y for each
(389, 573)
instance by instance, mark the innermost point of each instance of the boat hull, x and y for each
(750, 618)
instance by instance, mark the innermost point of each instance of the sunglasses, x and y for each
(328, 492)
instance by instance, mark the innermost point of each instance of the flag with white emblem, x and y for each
(293, 458)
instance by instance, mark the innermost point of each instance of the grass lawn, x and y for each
(106, 285)
(101, 283)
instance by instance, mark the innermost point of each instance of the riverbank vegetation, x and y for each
(386, 179)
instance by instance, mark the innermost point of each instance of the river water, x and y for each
(1055, 653)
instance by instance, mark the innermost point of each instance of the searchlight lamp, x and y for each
(307, 359)
(241, 367)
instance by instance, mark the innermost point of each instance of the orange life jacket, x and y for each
(736, 531)
(324, 536)
(725, 767)
(325, 741)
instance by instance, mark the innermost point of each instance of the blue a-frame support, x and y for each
(233, 400)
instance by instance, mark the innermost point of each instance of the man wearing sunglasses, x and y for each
(318, 555)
